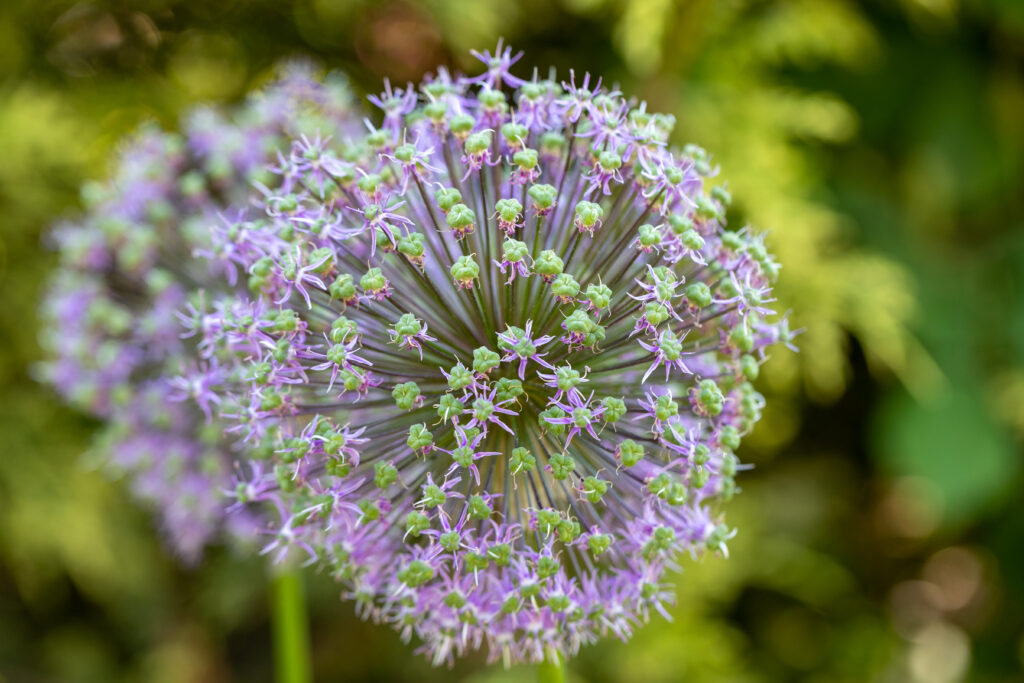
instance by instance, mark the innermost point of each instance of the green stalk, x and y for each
(552, 669)
(290, 628)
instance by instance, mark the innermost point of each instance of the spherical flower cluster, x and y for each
(495, 361)
(129, 268)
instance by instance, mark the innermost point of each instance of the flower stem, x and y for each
(290, 628)
(552, 669)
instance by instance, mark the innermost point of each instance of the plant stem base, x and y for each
(551, 670)
(290, 628)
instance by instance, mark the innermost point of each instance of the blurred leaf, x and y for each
(953, 443)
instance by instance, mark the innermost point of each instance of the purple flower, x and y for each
(198, 386)
(498, 66)
(519, 478)
(395, 103)
(132, 319)
(520, 345)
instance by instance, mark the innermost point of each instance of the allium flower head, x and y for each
(494, 360)
(128, 272)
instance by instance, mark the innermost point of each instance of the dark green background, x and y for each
(881, 144)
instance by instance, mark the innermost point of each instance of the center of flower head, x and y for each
(501, 354)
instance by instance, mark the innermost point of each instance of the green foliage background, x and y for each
(881, 143)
